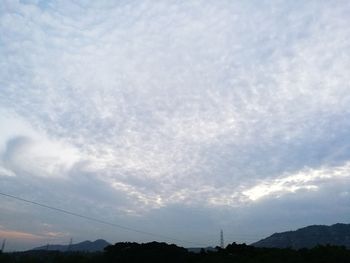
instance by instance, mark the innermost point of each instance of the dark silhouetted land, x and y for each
(164, 253)
(85, 246)
(309, 237)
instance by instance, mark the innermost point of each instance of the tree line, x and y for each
(129, 252)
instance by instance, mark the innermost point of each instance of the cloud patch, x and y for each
(306, 179)
(24, 236)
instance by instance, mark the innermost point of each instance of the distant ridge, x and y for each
(309, 237)
(85, 246)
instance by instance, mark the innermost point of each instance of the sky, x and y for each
(177, 118)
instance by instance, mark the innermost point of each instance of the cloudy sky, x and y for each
(178, 118)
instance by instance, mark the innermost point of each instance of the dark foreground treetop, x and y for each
(126, 252)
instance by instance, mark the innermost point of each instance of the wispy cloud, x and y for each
(19, 235)
(306, 179)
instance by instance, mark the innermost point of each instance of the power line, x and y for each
(98, 220)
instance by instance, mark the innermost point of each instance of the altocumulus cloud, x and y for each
(144, 108)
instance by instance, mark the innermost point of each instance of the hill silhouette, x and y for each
(85, 246)
(155, 252)
(309, 237)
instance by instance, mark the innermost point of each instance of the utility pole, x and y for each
(222, 245)
(3, 245)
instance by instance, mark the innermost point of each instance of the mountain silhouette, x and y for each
(309, 237)
(85, 246)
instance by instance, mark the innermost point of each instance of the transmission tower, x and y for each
(3, 245)
(222, 245)
(70, 244)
